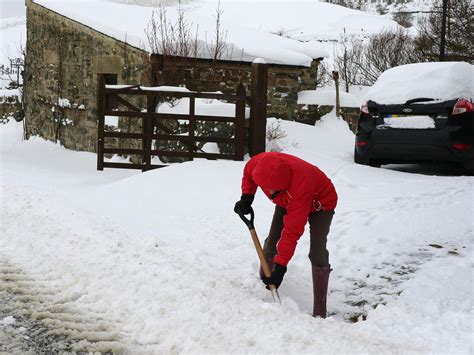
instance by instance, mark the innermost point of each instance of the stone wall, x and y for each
(10, 107)
(62, 63)
(284, 81)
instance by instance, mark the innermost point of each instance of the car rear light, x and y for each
(462, 146)
(361, 143)
(364, 108)
(462, 106)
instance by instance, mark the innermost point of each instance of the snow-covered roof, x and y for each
(438, 81)
(255, 29)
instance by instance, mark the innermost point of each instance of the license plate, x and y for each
(395, 116)
(408, 122)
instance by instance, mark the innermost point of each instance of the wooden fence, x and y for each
(114, 100)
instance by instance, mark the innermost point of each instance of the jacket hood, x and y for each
(272, 172)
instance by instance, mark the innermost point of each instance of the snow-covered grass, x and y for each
(161, 258)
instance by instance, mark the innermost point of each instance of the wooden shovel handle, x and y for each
(263, 262)
(261, 255)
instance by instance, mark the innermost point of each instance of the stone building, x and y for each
(65, 56)
(62, 63)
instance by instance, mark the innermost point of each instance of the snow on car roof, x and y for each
(439, 81)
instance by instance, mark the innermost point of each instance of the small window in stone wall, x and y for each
(111, 79)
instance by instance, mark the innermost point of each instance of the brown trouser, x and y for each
(319, 224)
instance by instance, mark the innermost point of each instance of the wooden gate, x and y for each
(115, 100)
(114, 95)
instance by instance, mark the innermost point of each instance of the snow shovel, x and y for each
(258, 247)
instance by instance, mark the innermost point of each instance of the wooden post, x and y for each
(147, 131)
(335, 76)
(154, 71)
(258, 114)
(192, 126)
(101, 102)
(239, 128)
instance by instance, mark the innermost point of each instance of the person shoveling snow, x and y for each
(301, 193)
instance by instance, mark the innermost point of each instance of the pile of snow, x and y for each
(437, 81)
(327, 97)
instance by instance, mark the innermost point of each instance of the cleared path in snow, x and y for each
(33, 321)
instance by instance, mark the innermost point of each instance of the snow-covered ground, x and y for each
(157, 262)
(390, 8)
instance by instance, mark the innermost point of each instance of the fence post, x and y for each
(192, 125)
(335, 76)
(154, 72)
(101, 102)
(239, 128)
(258, 110)
(147, 131)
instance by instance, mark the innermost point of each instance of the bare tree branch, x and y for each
(459, 36)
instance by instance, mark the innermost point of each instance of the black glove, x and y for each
(277, 276)
(244, 205)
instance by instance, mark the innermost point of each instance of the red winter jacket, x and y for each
(301, 189)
